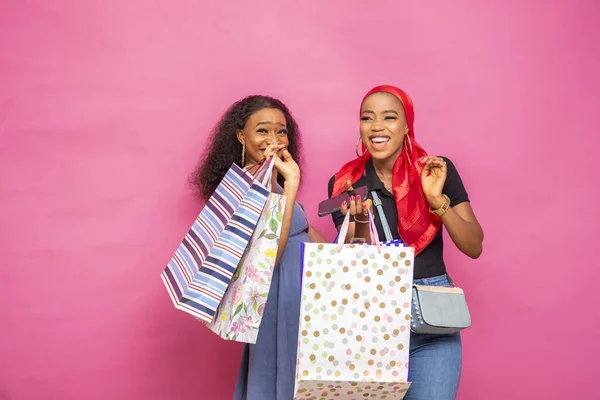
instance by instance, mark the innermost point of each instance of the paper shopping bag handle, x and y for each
(264, 173)
(341, 238)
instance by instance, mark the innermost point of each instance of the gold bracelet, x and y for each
(443, 208)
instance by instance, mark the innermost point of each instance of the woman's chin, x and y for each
(382, 155)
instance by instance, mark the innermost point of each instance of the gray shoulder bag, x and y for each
(436, 310)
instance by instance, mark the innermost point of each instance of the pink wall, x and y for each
(104, 110)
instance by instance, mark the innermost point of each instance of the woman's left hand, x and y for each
(433, 178)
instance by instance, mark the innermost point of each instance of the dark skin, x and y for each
(382, 130)
(265, 136)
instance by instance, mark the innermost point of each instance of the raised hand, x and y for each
(433, 178)
(284, 163)
(288, 168)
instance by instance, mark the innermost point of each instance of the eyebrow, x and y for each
(383, 112)
(269, 123)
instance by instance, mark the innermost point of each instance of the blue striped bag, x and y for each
(203, 265)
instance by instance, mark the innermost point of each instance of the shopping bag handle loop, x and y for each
(264, 173)
(341, 238)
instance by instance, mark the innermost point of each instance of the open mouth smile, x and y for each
(379, 142)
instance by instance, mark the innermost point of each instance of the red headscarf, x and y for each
(416, 225)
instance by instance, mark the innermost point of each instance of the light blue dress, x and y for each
(268, 368)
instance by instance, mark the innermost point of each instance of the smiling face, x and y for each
(262, 128)
(383, 125)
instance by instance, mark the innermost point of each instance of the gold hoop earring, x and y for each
(358, 142)
(243, 154)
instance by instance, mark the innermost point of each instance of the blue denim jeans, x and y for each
(435, 361)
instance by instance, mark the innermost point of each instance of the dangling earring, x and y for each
(243, 154)
(358, 142)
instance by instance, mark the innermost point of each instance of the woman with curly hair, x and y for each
(251, 130)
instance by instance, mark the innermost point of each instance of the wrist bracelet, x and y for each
(443, 208)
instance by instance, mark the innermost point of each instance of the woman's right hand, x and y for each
(356, 205)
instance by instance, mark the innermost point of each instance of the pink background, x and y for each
(104, 111)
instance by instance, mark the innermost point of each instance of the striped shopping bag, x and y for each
(199, 272)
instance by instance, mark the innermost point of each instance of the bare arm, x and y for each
(460, 221)
(464, 229)
(290, 191)
(315, 236)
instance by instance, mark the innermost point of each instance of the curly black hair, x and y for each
(225, 148)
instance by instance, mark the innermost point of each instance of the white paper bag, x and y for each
(354, 320)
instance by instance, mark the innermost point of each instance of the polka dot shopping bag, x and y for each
(355, 315)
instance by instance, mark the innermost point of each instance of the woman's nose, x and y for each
(272, 138)
(377, 126)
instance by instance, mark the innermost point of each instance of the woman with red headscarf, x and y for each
(416, 195)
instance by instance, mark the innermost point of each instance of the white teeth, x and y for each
(380, 140)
